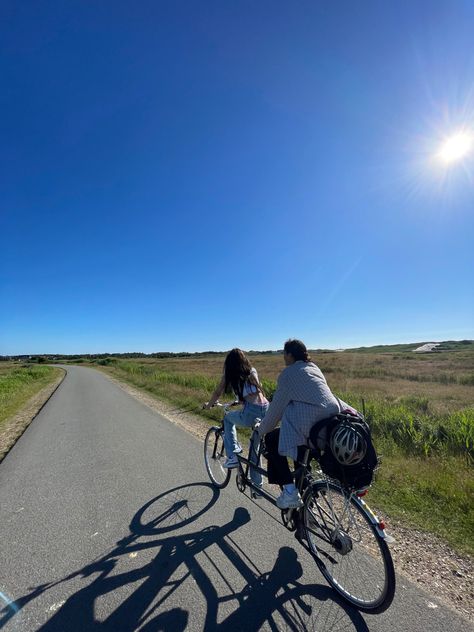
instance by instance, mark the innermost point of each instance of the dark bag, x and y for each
(358, 476)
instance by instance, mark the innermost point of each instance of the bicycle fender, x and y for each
(378, 524)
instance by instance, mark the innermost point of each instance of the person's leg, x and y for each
(254, 458)
(231, 444)
(279, 472)
(278, 469)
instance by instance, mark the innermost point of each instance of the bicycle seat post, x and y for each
(303, 468)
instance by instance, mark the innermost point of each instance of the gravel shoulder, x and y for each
(419, 556)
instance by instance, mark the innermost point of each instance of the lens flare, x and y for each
(456, 147)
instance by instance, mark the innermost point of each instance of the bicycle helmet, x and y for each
(347, 445)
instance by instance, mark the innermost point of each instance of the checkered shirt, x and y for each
(302, 398)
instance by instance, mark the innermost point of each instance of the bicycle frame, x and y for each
(303, 478)
(243, 474)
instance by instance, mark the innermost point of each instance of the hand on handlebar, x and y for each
(258, 437)
(225, 405)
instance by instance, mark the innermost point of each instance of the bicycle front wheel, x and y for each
(214, 457)
(348, 549)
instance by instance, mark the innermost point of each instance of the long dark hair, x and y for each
(237, 370)
(297, 349)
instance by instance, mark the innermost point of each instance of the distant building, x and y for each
(427, 348)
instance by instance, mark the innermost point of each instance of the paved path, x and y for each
(108, 523)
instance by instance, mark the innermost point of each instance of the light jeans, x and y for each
(244, 418)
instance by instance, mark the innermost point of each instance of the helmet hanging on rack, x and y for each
(347, 444)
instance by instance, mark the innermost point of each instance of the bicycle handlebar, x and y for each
(225, 405)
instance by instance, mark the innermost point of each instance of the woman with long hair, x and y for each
(240, 377)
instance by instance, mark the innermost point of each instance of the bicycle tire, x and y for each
(349, 551)
(214, 456)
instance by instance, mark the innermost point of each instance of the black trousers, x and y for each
(278, 469)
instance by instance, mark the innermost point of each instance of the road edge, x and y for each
(19, 422)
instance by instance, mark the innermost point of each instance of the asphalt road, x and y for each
(107, 522)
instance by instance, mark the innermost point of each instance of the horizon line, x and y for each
(220, 351)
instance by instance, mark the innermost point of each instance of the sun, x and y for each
(456, 147)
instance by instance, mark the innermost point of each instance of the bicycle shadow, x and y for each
(274, 599)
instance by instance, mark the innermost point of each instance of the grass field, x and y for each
(19, 382)
(420, 408)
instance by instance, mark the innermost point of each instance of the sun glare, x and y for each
(456, 147)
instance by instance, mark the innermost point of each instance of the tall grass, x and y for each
(148, 373)
(407, 425)
(384, 374)
(410, 427)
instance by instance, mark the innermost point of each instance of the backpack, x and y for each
(357, 476)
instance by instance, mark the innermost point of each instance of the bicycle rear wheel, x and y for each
(351, 554)
(214, 457)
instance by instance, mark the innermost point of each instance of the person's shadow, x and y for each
(276, 598)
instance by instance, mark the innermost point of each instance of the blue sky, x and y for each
(203, 175)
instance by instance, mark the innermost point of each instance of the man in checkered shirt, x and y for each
(302, 398)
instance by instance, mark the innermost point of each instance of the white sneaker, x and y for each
(287, 500)
(231, 462)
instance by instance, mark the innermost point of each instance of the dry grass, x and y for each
(387, 375)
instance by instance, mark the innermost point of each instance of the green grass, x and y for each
(433, 495)
(20, 382)
(410, 425)
(186, 391)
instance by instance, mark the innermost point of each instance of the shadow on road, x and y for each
(273, 600)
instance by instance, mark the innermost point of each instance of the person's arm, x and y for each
(216, 394)
(255, 382)
(275, 411)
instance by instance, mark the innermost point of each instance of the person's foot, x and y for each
(231, 462)
(257, 491)
(289, 500)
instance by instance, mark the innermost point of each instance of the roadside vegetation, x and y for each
(419, 406)
(19, 382)
(23, 390)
